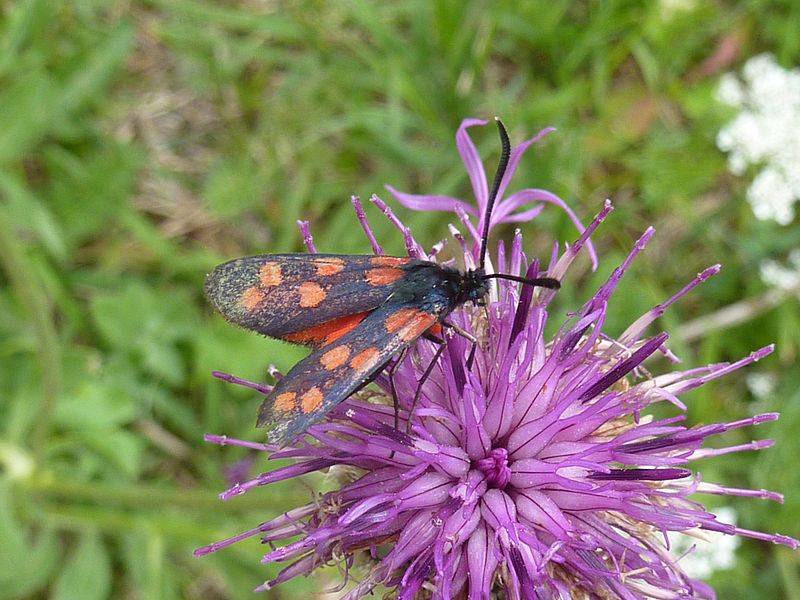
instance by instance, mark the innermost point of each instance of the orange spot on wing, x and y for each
(341, 326)
(329, 266)
(409, 323)
(389, 261)
(365, 360)
(399, 318)
(285, 402)
(383, 275)
(251, 298)
(311, 294)
(328, 332)
(335, 357)
(311, 400)
(270, 274)
(417, 326)
(436, 329)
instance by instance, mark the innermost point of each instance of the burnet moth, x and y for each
(355, 312)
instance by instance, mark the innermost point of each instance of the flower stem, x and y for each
(32, 297)
(734, 314)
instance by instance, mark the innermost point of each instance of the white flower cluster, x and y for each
(670, 9)
(765, 133)
(785, 277)
(710, 551)
(761, 385)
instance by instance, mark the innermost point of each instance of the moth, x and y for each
(355, 312)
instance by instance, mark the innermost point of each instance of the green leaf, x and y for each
(219, 346)
(147, 323)
(87, 573)
(120, 448)
(203, 13)
(29, 105)
(96, 405)
(22, 578)
(27, 212)
(235, 185)
(138, 312)
(89, 190)
(22, 21)
(92, 74)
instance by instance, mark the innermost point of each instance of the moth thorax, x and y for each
(473, 286)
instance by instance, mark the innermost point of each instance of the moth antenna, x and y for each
(546, 282)
(498, 177)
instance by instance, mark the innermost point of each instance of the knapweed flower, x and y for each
(764, 133)
(529, 467)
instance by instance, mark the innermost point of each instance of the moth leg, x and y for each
(467, 335)
(421, 382)
(461, 332)
(471, 357)
(390, 373)
(432, 338)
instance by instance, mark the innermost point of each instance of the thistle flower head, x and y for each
(529, 466)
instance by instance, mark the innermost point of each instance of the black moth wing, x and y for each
(281, 294)
(315, 385)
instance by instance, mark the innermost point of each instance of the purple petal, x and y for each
(623, 368)
(362, 219)
(430, 202)
(523, 197)
(482, 560)
(472, 161)
(308, 239)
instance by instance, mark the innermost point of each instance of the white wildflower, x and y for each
(764, 133)
(713, 551)
(761, 385)
(670, 9)
(785, 277)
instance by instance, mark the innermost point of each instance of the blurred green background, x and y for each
(141, 143)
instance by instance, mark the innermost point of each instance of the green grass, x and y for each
(142, 143)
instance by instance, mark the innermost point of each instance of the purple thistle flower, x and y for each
(533, 471)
